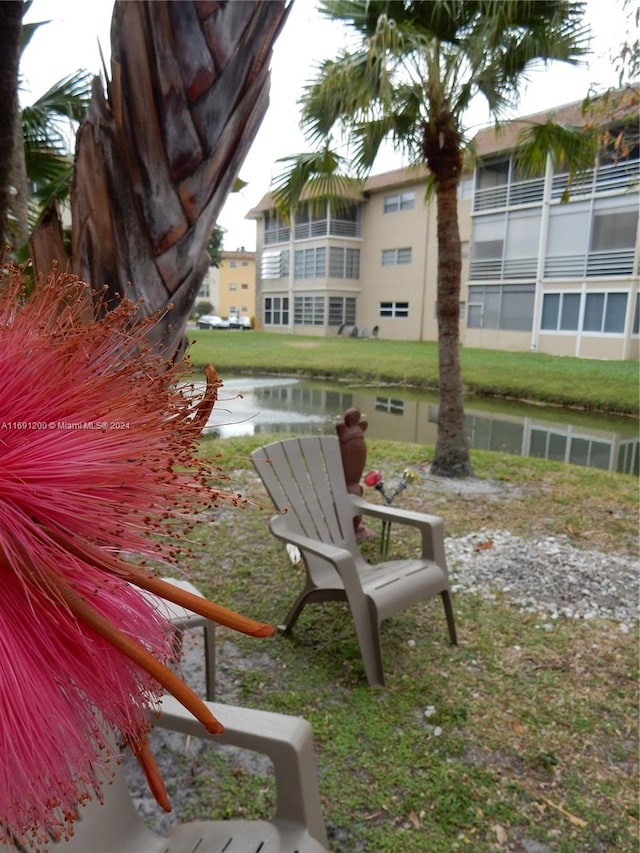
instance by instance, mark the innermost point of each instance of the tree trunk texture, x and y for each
(156, 158)
(10, 30)
(442, 148)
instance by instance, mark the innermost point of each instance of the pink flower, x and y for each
(373, 478)
(99, 477)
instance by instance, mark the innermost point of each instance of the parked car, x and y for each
(236, 322)
(211, 321)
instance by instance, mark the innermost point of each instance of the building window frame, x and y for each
(396, 257)
(276, 310)
(342, 310)
(308, 310)
(601, 312)
(395, 309)
(310, 263)
(399, 201)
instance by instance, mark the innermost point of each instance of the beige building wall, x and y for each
(237, 284)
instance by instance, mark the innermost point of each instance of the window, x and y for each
(275, 264)
(522, 244)
(245, 263)
(508, 307)
(395, 257)
(233, 264)
(233, 287)
(487, 247)
(342, 309)
(567, 240)
(276, 311)
(275, 229)
(344, 263)
(310, 263)
(613, 238)
(614, 230)
(394, 309)
(561, 312)
(344, 220)
(605, 312)
(465, 188)
(311, 221)
(493, 173)
(401, 201)
(244, 287)
(308, 310)
(635, 329)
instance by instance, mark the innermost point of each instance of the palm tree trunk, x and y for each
(10, 29)
(442, 152)
(452, 447)
(158, 155)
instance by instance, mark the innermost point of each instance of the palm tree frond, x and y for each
(318, 177)
(571, 148)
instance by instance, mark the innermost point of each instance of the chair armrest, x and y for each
(431, 526)
(332, 553)
(288, 741)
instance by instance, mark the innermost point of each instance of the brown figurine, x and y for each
(353, 449)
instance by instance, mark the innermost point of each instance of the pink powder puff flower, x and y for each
(98, 477)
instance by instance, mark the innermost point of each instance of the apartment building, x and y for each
(550, 275)
(237, 284)
(367, 264)
(231, 287)
(539, 273)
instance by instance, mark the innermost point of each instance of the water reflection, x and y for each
(265, 406)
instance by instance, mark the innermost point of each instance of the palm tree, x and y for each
(410, 78)
(10, 29)
(47, 128)
(41, 163)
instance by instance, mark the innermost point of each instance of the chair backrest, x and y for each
(305, 479)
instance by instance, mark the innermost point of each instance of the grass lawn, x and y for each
(607, 386)
(530, 736)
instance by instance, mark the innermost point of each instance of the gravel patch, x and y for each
(547, 575)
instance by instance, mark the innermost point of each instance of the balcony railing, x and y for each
(613, 262)
(277, 235)
(612, 177)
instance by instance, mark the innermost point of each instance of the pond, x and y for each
(267, 405)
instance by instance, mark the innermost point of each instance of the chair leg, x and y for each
(210, 660)
(448, 609)
(294, 612)
(368, 631)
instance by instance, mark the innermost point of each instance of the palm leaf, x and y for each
(316, 177)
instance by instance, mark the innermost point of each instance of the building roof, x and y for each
(395, 178)
(506, 135)
(238, 254)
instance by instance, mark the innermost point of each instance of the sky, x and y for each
(80, 29)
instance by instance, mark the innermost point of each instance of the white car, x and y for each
(236, 322)
(211, 321)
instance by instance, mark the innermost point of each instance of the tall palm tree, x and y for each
(10, 29)
(410, 78)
